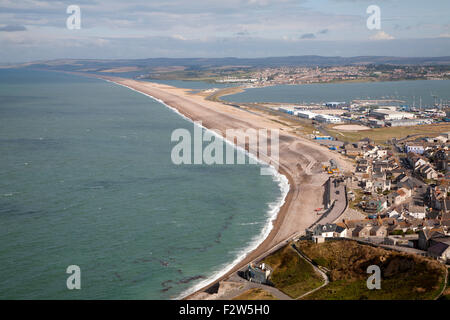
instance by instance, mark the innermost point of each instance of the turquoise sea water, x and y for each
(86, 179)
(315, 93)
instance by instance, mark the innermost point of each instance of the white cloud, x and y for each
(381, 35)
(178, 37)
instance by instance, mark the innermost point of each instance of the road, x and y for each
(338, 198)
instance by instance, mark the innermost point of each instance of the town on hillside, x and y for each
(398, 196)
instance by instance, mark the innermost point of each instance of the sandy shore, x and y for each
(300, 159)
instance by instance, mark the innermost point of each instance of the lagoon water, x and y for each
(86, 179)
(408, 91)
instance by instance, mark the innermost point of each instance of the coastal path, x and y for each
(318, 270)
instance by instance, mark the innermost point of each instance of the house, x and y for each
(441, 160)
(370, 151)
(419, 162)
(362, 168)
(438, 198)
(426, 171)
(381, 153)
(396, 172)
(427, 236)
(399, 196)
(415, 160)
(417, 212)
(258, 274)
(379, 231)
(382, 184)
(368, 185)
(440, 250)
(329, 230)
(410, 183)
(362, 231)
(381, 166)
(394, 214)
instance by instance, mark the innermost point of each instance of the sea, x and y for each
(87, 180)
(411, 92)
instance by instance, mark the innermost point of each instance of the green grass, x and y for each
(404, 276)
(358, 198)
(292, 274)
(446, 293)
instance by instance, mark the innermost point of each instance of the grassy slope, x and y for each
(292, 274)
(255, 294)
(446, 293)
(403, 276)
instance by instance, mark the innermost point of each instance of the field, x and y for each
(351, 127)
(381, 135)
(403, 276)
(255, 294)
(292, 274)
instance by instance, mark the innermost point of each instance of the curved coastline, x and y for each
(299, 161)
(272, 213)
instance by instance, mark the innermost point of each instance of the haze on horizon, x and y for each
(112, 29)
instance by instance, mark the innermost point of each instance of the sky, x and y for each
(33, 30)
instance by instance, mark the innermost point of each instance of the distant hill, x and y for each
(77, 64)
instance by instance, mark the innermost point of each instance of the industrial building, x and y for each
(310, 115)
(409, 122)
(327, 118)
(389, 114)
(334, 104)
(306, 114)
(414, 149)
(288, 110)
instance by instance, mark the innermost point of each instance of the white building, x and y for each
(389, 114)
(289, 110)
(417, 212)
(329, 230)
(414, 149)
(305, 114)
(381, 153)
(328, 119)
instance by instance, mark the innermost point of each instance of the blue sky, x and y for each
(36, 29)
